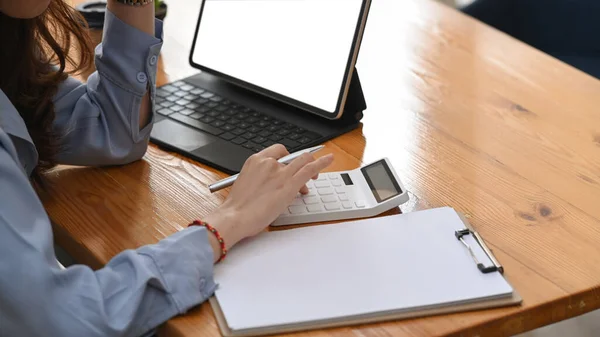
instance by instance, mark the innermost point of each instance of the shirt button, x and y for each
(153, 60)
(141, 77)
(202, 283)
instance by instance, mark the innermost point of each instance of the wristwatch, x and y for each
(135, 2)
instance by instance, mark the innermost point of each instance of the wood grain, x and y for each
(470, 118)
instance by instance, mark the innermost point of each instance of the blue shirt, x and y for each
(99, 125)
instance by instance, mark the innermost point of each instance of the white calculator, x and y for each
(360, 193)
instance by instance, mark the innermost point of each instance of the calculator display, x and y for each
(381, 181)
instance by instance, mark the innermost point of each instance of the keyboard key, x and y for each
(321, 184)
(258, 148)
(231, 112)
(207, 119)
(192, 105)
(216, 99)
(186, 87)
(165, 111)
(333, 206)
(243, 125)
(176, 108)
(180, 93)
(293, 136)
(299, 130)
(315, 208)
(172, 98)
(196, 124)
(336, 183)
(203, 109)
(264, 133)
(277, 122)
(169, 88)
(360, 204)
(253, 119)
(158, 100)
(212, 105)
(196, 91)
(207, 95)
(249, 145)
(273, 129)
(254, 129)
(249, 135)
(343, 197)
(234, 121)
(340, 190)
(186, 112)
(325, 191)
(201, 100)
(347, 205)
(311, 200)
(166, 104)
(227, 136)
(213, 113)
(259, 140)
(297, 209)
(238, 140)
(183, 102)
(228, 127)
(178, 83)
(304, 140)
(238, 132)
(289, 126)
(161, 93)
(225, 102)
(190, 97)
(289, 143)
(223, 117)
(197, 115)
(218, 123)
(275, 138)
(222, 108)
(263, 124)
(268, 143)
(328, 198)
(283, 132)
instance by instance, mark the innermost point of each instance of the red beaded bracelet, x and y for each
(216, 234)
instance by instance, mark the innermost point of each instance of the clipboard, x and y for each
(460, 234)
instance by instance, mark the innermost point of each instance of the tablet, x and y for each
(300, 52)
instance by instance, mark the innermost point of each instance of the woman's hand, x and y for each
(264, 189)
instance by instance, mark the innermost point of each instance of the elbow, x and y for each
(131, 153)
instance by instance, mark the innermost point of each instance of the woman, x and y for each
(47, 118)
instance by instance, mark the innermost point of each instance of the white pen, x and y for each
(221, 184)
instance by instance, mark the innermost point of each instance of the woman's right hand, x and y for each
(264, 189)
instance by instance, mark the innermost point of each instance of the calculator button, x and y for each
(297, 209)
(333, 176)
(315, 208)
(343, 197)
(297, 202)
(340, 190)
(360, 204)
(325, 191)
(333, 206)
(320, 184)
(321, 177)
(328, 198)
(336, 183)
(311, 200)
(347, 204)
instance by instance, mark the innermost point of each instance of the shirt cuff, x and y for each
(127, 56)
(185, 262)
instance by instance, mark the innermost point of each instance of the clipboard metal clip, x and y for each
(489, 269)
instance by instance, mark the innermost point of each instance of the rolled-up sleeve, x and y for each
(134, 293)
(98, 122)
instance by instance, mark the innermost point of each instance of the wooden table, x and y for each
(469, 117)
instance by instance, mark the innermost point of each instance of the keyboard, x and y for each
(229, 120)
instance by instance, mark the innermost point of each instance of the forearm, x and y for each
(142, 18)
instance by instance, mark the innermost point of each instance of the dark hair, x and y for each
(33, 62)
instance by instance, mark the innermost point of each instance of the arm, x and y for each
(136, 291)
(108, 120)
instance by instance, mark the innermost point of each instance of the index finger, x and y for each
(274, 151)
(312, 169)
